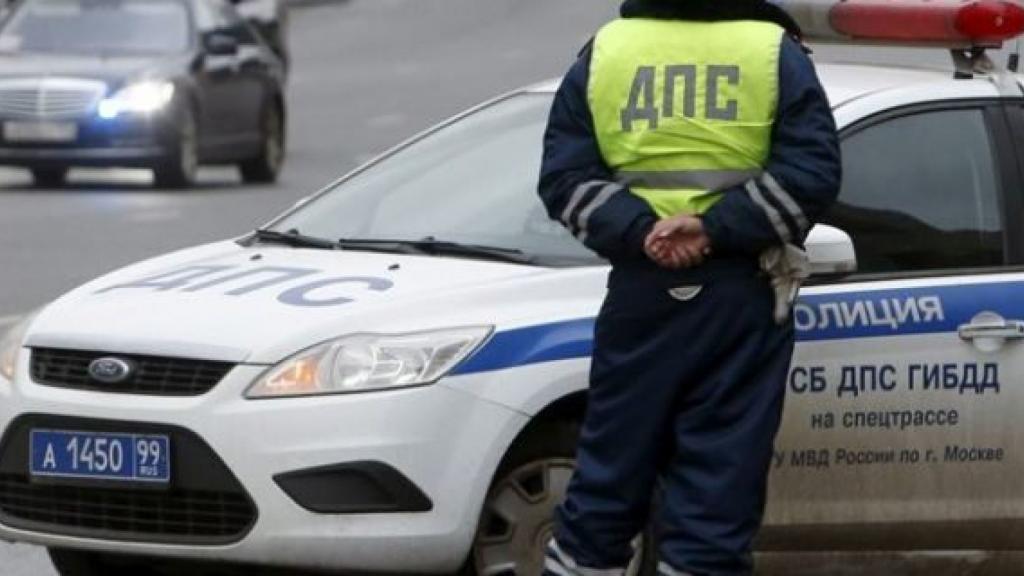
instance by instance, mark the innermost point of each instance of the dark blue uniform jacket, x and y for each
(804, 161)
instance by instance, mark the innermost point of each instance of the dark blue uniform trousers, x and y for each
(686, 395)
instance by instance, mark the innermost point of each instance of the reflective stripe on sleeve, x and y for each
(773, 215)
(787, 202)
(576, 198)
(601, 199)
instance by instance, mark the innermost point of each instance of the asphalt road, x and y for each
(367, 74)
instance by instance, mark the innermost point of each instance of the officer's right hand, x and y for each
(678, 254)
(678, 242)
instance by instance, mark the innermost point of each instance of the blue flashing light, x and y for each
(108, 109)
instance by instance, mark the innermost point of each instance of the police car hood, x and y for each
(261, 304)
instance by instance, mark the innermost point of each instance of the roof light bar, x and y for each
(948, 23)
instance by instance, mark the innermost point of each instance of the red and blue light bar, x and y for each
(950, 23)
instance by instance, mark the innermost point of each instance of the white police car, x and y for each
(406, 399)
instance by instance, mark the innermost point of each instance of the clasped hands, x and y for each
(678, 242)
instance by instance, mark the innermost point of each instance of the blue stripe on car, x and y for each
(956, 305)
(844, 315)
(532, 345)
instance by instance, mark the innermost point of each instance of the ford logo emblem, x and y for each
(110, 370)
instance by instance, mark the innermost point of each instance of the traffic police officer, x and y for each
(691, 145)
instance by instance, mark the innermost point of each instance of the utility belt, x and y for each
(782, 268)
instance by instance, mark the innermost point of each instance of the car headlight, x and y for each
(364, 362)
(139, 98)
(11, 345)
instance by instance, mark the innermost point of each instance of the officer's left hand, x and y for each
(678, 242)
(678, 253)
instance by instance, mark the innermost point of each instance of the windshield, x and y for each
(473, 182)
(97, 26)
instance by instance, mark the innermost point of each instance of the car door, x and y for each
(253, 62)
(905, 405)
(222, 87)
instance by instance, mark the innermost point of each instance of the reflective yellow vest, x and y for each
(683, 110)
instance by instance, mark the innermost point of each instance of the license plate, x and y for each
(40, 131)
(100, 456)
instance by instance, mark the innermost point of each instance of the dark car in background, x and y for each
(160, 84)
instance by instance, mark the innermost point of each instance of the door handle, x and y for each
(1006, 329)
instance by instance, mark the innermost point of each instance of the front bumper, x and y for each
(130, 142)
(125, 157)
(447, 443)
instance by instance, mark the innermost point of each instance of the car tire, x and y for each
(179, 169)
(80, 563)
(265, 166)
(529, 484)
(49, 177)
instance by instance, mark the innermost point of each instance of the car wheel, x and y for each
(80, 563)
(518, 516)
(49, 177)
(264, 167)
(179, 169)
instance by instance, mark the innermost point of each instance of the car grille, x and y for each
(50, 98)
(152, 375)
(184, 513)
(204, 504)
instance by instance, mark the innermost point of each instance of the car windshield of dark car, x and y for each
(104, 27)
(473, 181)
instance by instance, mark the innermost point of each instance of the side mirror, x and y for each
(830, 251)
(219, 44)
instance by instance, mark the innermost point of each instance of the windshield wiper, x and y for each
(427, 246)
(434, 247)
(294, 239)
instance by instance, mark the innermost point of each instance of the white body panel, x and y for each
(444, 440)
(928, 487)
(447, 438)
